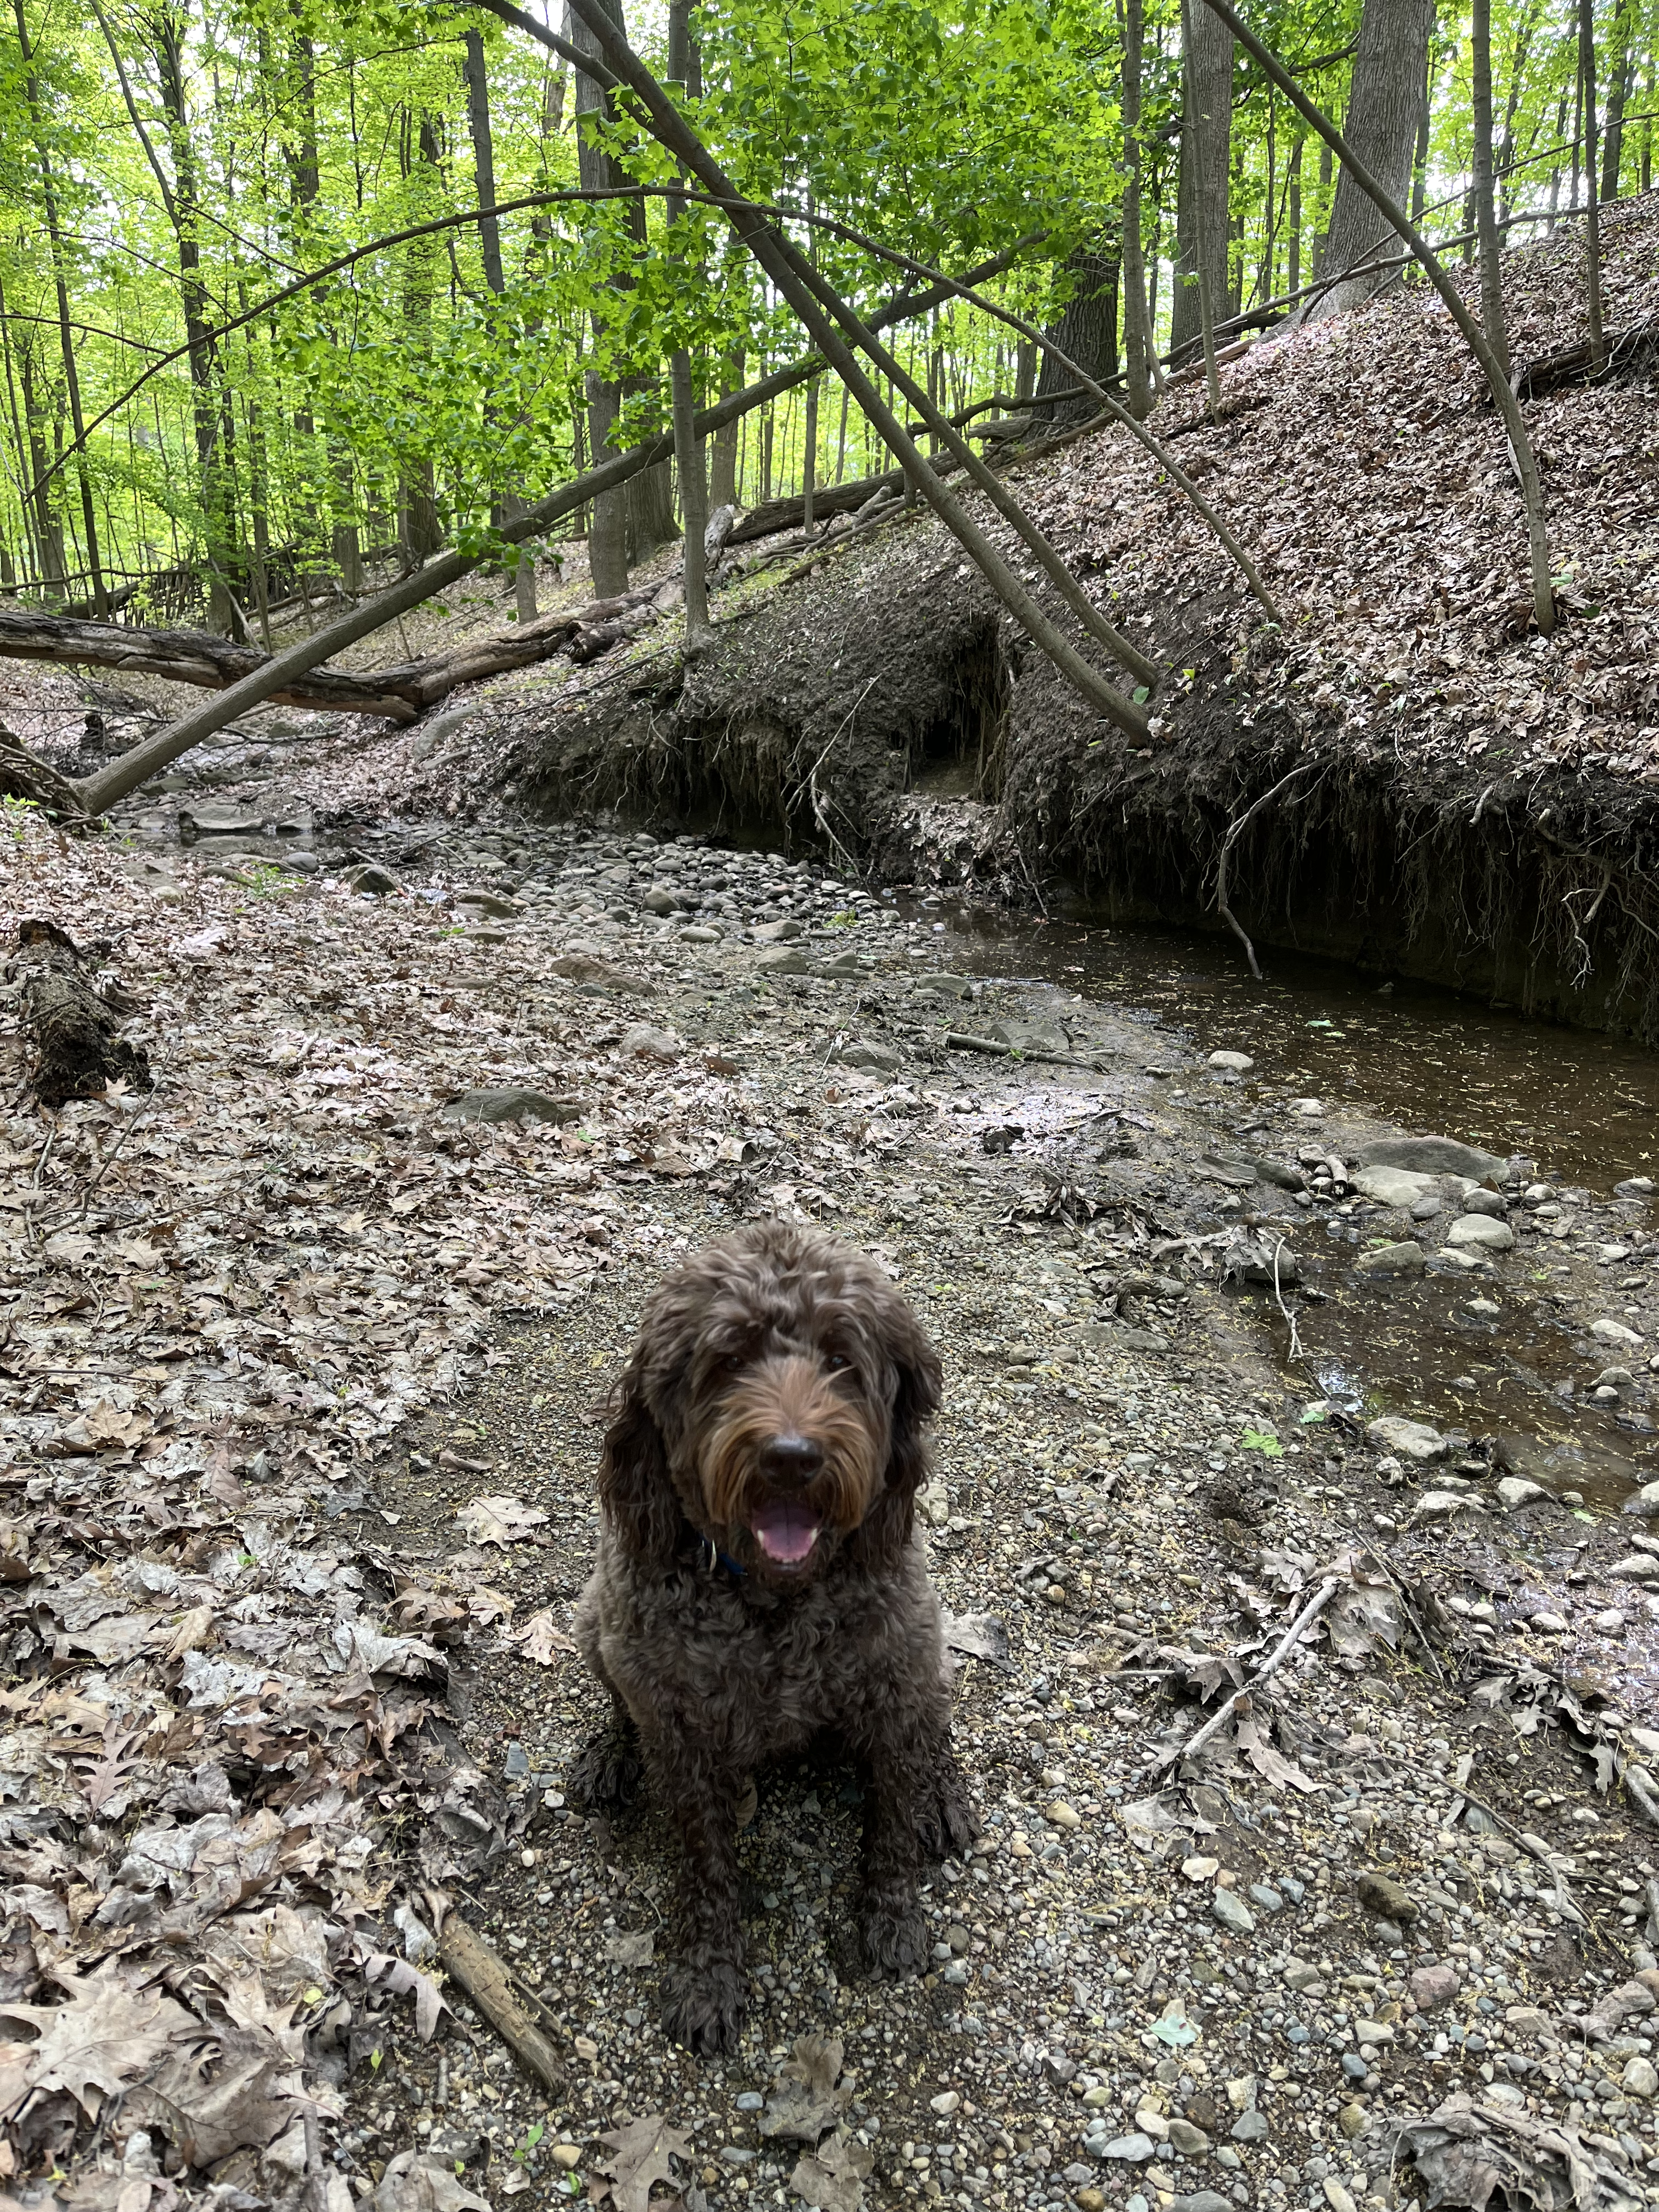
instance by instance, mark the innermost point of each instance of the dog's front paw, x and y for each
(946, 1821)
(608, 1769)
(893, 1938)
(703, 2009)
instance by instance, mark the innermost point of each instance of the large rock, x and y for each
(1514, 1492)
(1412, 1440)
(1235, 1063)
(1393, 1186)
(1431, 1156)
(784, 960)
(866, 1052)
(1640, 1567)
(1446, 1504)
(1478, 1232)
(515, 1104)
(1404, 1259)
(1608, 1331)
(1644, 1500)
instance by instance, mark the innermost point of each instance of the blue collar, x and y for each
(713, 1557)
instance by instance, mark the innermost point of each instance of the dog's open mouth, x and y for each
(785, 1530)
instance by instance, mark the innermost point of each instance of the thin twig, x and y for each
(1235, 831)
(1217, 1720)
(1278, 1300)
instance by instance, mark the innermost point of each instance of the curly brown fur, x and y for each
(759, 1581)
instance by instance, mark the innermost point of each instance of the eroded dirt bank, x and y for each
(296, 1362)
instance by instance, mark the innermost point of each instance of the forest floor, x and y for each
(304, 1377)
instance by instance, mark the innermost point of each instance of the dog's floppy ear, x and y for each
(885, 1531)
(634, 1486)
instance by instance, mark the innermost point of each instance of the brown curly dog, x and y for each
(759, 1584)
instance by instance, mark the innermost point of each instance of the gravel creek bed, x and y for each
(1392, 1878)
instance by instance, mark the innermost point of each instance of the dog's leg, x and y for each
(900, 1795)
(946, 1821)
(705, 1990)
(607, 1770)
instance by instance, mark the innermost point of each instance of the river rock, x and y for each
(1133, 2150)
(1446, 1504)
(1478, 1232)
(1412, 1440)
(1639, 2079)
(1250, 2127)
(1403, 1258)
(1474, 1199)
(217, 822)
(1202, 2199)
(1433, 1988)
(371, 882)
(1232, 1913)
(1393, 1186)
(645, 1041)
(1238, 1063)
(1381, 1894)
(784, 961)
(1515, 1491)
(1640, 1567)
(1608, 1331)
(863, 1051)
(489, 903)
(1190, 2142)
(1430, 1156)
(514, 1104)
(660, 900)
(943, 987)
(1644, 1500)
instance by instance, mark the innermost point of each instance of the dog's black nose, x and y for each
(792, 1458)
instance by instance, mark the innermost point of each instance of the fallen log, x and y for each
(74, 1047)
(482, 1973)
(1628, 351)
(401, 694)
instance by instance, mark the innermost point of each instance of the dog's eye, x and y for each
(835, 1361)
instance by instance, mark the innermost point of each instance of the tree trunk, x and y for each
(723, 455)
(420, 528)
(1384, 104)
(1619, 74)
(71, 379)
(1486, 217)
(1293, 223)
(685, 70)
(1137, 387)
(1206, 123)
(1593, 213)
(483, 155)
(75, 1051)
(169, 31)
(1086, 330)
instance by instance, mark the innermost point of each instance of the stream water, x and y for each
(1584, 1107)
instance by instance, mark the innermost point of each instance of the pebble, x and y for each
(1269, 1899)
(1639, 2079)
(1190, 2142)
(1433, 1988)
(945, 2103)
(1200, 1869)
(1202, 2199)
(1550, 1624)
(1062, 1815)
(1381, 1894)
(1133, 2149)
(1232, 1912)
(1444, 1505)
(1250, 2127)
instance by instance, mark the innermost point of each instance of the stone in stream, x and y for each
(778, 933)
(1432, 1156)
(943, 987)
(660, 901)
(370, 881)
(1485, 1202)
(1643, 1501)
(1640, 1567)
(216, 821)
(1389, 1186)
(1608, 1331)
(1446, 1504)
(1514, 1492)
(515, 1104)
(1478, 1232)
(1412, 1440)
(1237, 1063)
(1403, 1258)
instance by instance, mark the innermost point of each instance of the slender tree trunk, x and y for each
(1486, 219)
(1592, 197)
(1137, 389)
(66, 337)
(1206, 167)
(1293, 222)
(723, 456)
(421, 529)
(1420, 156)
(48, 522)
(1320, 236)
(809, 463)
(169, 30)
(476, 74)
(1384, 107)
(685, 71)
(1620, 77)
(607, 543)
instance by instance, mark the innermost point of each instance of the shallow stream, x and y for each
(1584, 1107)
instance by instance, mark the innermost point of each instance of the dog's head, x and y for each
(775, 1400)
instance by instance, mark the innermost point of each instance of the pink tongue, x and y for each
(784, 1531)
